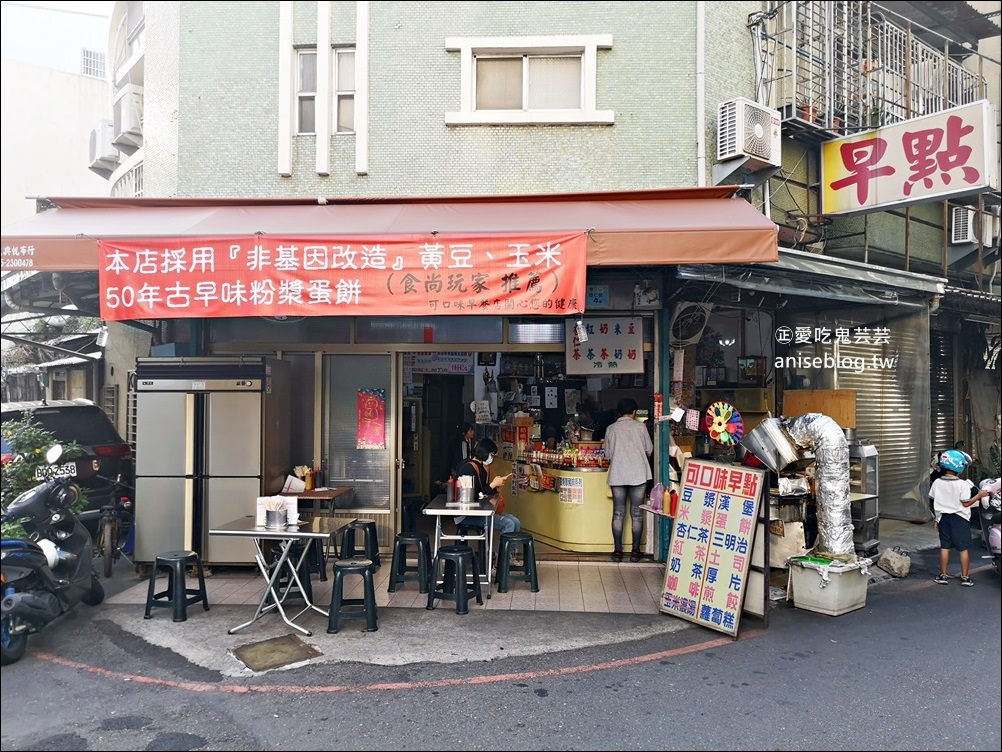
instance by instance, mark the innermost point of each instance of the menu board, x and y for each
(711, 545)
(614, 345)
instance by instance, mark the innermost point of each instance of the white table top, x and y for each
(439, 506)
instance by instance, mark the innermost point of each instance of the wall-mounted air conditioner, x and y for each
(103, 154)
(128, 111)
(748, 129)
(964, 226)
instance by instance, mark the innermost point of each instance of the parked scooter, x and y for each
(47, 574)
(991, 520)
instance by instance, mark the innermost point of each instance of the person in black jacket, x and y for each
(485, 487)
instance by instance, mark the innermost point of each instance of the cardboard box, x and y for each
(828, 588)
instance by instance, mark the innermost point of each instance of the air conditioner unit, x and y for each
(747, 129)
(128, 111)
(964, 226)
(103, 155)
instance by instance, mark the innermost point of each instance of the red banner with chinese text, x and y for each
(371, 419)
(490, 274)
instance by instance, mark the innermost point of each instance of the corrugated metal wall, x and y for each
(942, 387)
(891, 381)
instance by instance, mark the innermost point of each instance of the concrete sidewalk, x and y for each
(408, 633)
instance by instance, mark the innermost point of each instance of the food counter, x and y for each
(573, 514)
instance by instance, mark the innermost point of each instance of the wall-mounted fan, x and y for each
(688, 322)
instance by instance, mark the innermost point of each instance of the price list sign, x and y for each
(711, 545)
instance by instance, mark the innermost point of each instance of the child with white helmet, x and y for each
(952, 501)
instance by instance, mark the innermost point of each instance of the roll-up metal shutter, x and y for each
(891, 382)
(942, 390)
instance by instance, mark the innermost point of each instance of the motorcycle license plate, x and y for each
(48, 472)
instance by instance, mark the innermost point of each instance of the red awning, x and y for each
(673, 226)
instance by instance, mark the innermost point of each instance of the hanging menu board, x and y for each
(614, 345)
(711, 546)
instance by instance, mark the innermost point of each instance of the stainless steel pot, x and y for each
(771, 444)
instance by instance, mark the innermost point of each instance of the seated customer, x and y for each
(485, 487)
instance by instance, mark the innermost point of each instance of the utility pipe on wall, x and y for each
(701, 94)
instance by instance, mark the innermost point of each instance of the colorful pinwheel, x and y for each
(724, 423)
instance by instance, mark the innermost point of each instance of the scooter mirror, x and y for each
(54, 453)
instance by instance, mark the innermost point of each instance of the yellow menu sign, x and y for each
(711, 544)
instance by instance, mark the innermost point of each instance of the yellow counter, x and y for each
(577, 519)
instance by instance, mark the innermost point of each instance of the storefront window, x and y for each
(294, 329)
(358, 443)
(439, 330)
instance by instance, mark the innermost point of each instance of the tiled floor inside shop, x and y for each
(564, 585)
(567, 582)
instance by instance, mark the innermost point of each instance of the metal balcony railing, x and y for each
(845, 66)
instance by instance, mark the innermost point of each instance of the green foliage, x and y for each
(990, 467)
(28, 445)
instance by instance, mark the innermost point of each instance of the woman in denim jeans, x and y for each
(628, 447)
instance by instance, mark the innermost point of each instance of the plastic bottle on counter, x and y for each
(309, 479)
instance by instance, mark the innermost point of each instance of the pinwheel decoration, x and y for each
(724, 423)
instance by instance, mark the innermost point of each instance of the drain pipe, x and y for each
(831, 450)
(700, 94)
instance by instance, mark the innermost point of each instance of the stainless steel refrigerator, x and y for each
(212, 434)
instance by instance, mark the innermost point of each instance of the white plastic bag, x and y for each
(656, 498)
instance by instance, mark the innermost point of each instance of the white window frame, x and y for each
(302, 94)
(92, 64)
(340, 94)
(586, 46)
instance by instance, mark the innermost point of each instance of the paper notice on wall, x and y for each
(550, 395)
(571, 490)
(482, 409)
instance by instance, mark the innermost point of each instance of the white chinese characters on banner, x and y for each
(614, 345)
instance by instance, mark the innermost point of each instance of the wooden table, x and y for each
(245, 527)
(321, 495)
(439, 508)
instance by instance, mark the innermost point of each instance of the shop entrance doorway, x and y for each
(447, 407)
